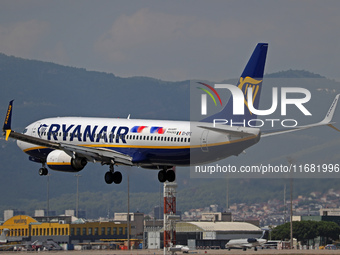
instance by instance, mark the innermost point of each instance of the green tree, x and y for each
(328, 230)
(281, 232)
(302, 231)
(305, 230)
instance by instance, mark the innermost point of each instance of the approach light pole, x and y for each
(227, 196)
(291, 161)
(291, 213)
(128, 211)
(77, 199)
(48, 194)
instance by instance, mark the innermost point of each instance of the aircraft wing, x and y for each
(98, 154)
(92, 154)
(326, 121)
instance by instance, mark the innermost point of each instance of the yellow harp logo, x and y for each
(246, 83)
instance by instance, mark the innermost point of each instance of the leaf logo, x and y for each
(204, 97)
(209, 93)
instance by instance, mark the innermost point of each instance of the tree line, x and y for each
(305, 231)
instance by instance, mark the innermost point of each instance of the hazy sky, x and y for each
(174, 40)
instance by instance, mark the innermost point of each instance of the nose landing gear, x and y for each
(43, 171)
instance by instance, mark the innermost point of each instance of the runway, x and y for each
(202, 252)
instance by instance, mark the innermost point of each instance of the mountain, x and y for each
(42, 89)
(294, 74)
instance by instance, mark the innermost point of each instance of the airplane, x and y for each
(247, 243)
(178, 247)
(69, 143)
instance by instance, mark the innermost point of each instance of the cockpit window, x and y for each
(25, 131)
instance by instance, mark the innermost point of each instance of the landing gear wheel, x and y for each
(109, 177)
(162, 176)
(117, 177)
(43, 171)
(170, 175)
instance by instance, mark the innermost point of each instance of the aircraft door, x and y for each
(35, 129)
(204, 141)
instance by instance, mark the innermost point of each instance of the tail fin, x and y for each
(265, 234)
(3, 236)
(252, 76)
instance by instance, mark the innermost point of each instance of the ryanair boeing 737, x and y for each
(69, 143)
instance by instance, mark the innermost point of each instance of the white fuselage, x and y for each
(244, 243)
(149, 142)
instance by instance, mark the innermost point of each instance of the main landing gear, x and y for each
(112, 176)
(43, 171)
(166, 175)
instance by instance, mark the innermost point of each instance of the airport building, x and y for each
(213, 232)
(70, 230)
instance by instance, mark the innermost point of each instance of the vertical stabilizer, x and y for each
(252, 76)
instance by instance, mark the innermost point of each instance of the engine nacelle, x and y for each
(252, 240)
(58, 160)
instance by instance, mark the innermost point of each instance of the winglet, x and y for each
(330, 113)
(8, 120)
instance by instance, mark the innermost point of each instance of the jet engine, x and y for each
(60, 161)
